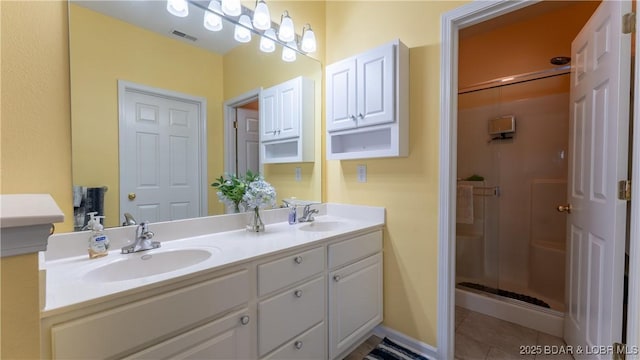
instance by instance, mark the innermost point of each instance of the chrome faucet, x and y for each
(143, 240)
(129, 220)
(307, 214)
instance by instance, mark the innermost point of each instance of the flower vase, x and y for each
(255, 222)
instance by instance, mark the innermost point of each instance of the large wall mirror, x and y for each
(180, 64)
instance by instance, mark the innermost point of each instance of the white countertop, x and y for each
(67, 287)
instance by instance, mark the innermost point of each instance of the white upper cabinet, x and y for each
(287, 122)
(367, 101)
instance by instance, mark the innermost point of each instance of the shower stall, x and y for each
(513, 138)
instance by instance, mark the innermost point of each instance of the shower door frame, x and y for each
(452, 22)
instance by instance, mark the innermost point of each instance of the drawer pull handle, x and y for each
(336, 278)
(298, 344)
(298, 293)
(298, 259)
(245, 320)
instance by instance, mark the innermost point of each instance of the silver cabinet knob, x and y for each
(298, 293)
(361, 116)
(298, 259)
(353, 117)
(336, 278)
(245, 320)
(298, 344)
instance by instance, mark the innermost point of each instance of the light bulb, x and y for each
(266, 42)
(242, 33)
(286, 31)
(308, 42)
(178, 8)
(231, 7)
(261, 16)
(288, 52)
(212, 21)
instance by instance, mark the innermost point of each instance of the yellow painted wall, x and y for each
(105, 50)
(406, 187)
(247, 68)
(35, 149)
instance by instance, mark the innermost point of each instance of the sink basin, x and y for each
(322, 226)
(148, 263)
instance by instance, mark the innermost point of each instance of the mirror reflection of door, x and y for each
(247, 137)
(161, 154)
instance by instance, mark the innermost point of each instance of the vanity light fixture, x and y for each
(261, 25)
(231, 7)
(261, 16)
(213, 21)
(286, 32)
(266, 42)
(178, 8)
(308, 42)
(242, 31)
(289, 52)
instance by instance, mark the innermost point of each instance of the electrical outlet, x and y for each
(298, 174)
(362, 173)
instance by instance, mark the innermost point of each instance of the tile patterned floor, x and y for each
(483, 337)
(361, 351)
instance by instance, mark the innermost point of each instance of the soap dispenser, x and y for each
(98, 241)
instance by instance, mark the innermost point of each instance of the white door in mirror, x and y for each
(159, 157)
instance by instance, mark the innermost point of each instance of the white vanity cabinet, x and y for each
(212, 316)
(291, 314)
(355, 291)
(287, 122)
(367, 104)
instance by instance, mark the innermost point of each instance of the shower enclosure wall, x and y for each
(510, 237)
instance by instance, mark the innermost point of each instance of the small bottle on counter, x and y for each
(98, 241)
(293, 215)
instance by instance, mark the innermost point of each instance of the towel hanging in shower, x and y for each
(464, 204)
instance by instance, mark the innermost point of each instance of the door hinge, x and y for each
(628, 23)
(235, 124)
(624, 190)
(619, 351)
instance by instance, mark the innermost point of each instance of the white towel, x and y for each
(464, 204)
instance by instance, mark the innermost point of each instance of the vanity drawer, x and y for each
(347, 251)
(290, 269)
(309, 345)
(284, 316)
(142, 322)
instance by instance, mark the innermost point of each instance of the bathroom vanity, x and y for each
(302, 291)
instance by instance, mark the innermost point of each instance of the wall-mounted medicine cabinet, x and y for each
(367, 104)
(286, 122)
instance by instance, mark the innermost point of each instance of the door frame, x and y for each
(229, 108)
(451, 22)
(201, 102)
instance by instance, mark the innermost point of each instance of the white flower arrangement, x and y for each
(245, 193)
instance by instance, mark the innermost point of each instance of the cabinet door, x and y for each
(289, 109)
(355, 302)
(269, 114)
(226, 338)
(341, 95)
(376, 86)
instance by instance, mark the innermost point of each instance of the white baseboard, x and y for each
(410, 343)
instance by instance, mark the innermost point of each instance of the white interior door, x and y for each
(598, 159)
(160, 157)
(248, 133)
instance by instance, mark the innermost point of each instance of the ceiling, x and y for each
(153, 16)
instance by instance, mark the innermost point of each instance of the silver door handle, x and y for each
(245, 320)
(298, 259)
(336, 278)
(298, 344)
(298, 293)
